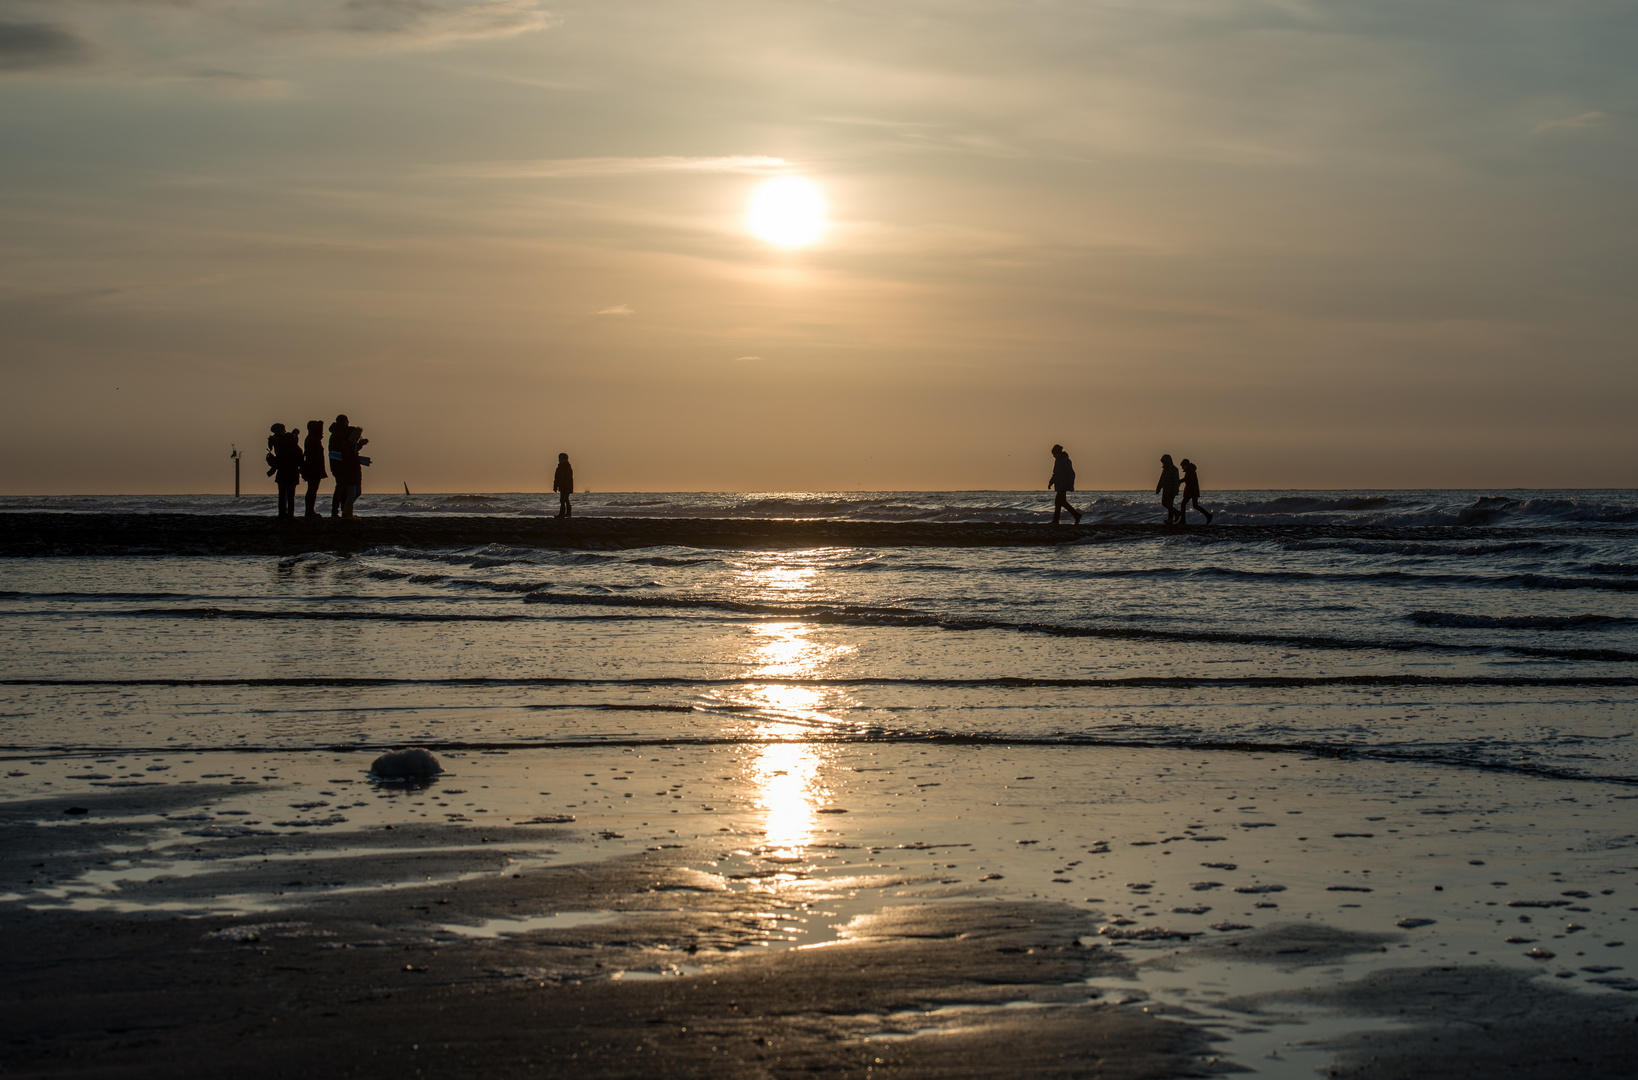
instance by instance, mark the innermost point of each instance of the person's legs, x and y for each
(1059, 503)
(1167, 496)
(337, 498)
(287, 500)
(312, 498)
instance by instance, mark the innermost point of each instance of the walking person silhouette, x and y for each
(312, 464)
(284, 465)
(563, 484)
(1167, 487)
(1191, 493)
(1063, 482)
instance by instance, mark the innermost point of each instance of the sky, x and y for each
(1307, 243)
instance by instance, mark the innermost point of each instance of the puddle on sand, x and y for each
(953, 1013)
(670, 971)
(1279, 1043)
(561, 920)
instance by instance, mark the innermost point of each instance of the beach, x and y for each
(1317, 791)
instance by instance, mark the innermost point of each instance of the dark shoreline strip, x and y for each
(1235, 746)
(1003, 682)
(43, 534)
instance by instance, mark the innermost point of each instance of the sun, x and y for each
(788, 211)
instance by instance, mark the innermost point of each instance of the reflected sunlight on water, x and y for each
(789, 791)
(790, 787)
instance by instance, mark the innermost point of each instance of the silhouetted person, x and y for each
(1191, 493)
(1167, 488)
(1063, 482)
(355, 468)
(338, 455)
(347, 465)
(563, 484)
(312, 463)
(284, 465)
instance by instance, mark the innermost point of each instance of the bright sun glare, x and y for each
(788, 211)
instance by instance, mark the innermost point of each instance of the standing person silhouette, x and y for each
(1191, 493)
(338, 455)
(284, 465)
(355, 462)
(1167, 487)
(563, 484)
(1063, 482)
(312, 463)
(348, 467)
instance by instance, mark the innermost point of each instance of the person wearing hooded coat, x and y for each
(1191, 493)
(1167, 487)
(355, 463)
(563, 484)
(284, 465)
(1063, 482)
(312, 464)
(347, 465)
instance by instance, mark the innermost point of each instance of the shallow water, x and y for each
(1506, 648)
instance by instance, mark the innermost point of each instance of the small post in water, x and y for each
(235, 456)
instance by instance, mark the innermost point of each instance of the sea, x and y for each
(1466, 630)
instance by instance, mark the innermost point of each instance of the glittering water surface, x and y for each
(1505, 648)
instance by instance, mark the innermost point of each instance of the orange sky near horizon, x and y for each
(1308, 244)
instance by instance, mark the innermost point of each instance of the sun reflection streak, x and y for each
(788, 773)
(789, 790)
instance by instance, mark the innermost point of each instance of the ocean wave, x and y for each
(1517, 622)
(663, 560)
(15, 594)
(322, 615)
(1020, 682)
(1422, 548)
(1362, 576)
(493, 555)
(858, 615)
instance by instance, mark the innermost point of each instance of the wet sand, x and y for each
(941, 912)
(36, 534)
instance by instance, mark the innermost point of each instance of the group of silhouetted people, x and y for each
(1063, 482)
(290, 461)
(1167, 490)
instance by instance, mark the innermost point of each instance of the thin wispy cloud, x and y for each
(429, 23)
(1586, 119)
(618, 309)
(569, 168)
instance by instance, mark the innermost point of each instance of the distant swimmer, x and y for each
(1191, 493)
(312, 464)
(284, 465)
(1167, 488)
(1063, 482)
(563, 484)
